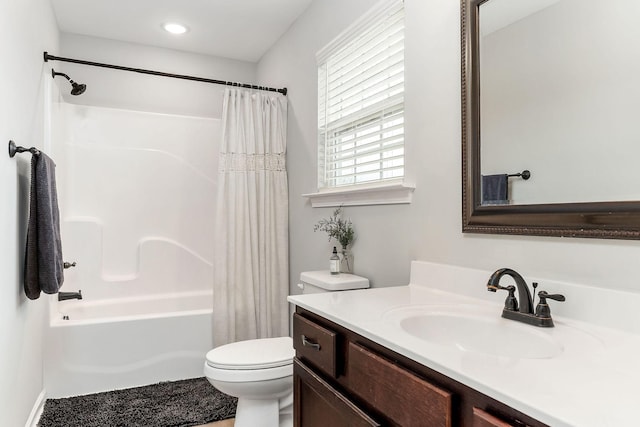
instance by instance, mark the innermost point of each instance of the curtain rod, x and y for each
(48, 57)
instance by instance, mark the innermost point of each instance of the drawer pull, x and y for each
(307, 343)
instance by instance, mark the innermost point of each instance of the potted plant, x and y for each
(341, 230)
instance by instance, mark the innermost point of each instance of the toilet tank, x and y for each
(312, 282)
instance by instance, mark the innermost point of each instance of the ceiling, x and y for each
(237, 29)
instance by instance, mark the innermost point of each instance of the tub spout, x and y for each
(69, 295)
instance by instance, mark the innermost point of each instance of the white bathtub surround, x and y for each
(251, 273)
(126, 342)
(150, 229)
(137, 201)
(591, 380)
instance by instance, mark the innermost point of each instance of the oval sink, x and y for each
(498, 337)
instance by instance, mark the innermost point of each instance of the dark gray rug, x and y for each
(168, 404)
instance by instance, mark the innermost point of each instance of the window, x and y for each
(361, 102)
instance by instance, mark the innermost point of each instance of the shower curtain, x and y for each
(251, 264)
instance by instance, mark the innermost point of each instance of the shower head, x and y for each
(76, 88)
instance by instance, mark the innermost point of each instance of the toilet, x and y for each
(260, 372)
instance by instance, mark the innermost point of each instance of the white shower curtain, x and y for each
(251, 264)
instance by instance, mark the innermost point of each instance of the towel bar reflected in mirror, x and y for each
(525, 174)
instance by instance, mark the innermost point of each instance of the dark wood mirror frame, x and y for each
(605, 220)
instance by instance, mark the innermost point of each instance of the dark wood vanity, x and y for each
(344, 379)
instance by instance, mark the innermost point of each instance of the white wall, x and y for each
(429, 228)
(291, 62)
(135, 91)
(27, 28)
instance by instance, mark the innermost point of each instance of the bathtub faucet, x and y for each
(69, 295)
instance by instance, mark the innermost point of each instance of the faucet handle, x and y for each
(542, 309)
(544, 295)
(511, 302)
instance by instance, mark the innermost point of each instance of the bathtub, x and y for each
(127, 342)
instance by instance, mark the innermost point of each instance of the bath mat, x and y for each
(168, 404)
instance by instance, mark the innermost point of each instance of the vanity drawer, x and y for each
(484, 419)
(315, 344)
(400, 395)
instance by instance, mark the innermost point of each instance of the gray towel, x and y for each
(43, 264)
(495, 189)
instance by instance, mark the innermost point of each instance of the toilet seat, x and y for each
(247, 375)
(252, 360)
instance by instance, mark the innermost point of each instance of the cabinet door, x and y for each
(399, 394)
(317, 404)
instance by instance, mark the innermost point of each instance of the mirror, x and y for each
(548, 86)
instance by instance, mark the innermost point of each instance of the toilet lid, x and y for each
(253, 354)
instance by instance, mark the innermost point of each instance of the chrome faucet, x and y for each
(522, 310)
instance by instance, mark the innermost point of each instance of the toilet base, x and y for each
(261, 412)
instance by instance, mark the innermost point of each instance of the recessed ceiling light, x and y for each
(174, 28)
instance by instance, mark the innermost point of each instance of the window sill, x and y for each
(389, 194)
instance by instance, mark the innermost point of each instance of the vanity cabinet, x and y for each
(344, 379)
(318, 404)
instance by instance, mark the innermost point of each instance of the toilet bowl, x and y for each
(260, 374)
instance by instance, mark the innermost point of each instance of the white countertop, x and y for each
(594, 381)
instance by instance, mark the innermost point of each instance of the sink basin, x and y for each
(481, 333)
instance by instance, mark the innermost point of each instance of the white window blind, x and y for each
(361, 102)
